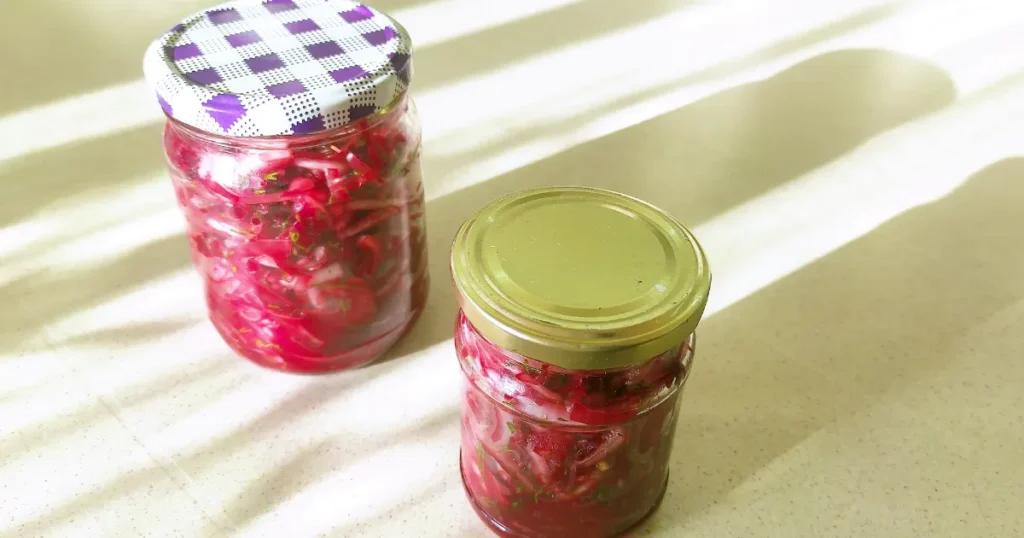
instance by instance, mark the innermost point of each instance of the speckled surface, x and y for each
(854, 169)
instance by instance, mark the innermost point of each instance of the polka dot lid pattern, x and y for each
(254, 68)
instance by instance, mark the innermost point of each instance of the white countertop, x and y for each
(854, 169)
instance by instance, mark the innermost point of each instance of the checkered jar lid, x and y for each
(253, 68)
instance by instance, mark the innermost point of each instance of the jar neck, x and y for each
(391, 113)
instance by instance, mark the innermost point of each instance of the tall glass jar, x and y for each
(575, 337)
(294, 150)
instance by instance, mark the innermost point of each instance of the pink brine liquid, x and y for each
(548, 452)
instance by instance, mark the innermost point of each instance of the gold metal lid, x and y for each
(580, 278)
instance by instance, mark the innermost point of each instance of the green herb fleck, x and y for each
(604, 493)
(556, 381)
(530, 369)
(538, 493)
(511, 427)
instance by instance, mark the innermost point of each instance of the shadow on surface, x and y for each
(83, 174)
(827, 341)
(774, 130)
(132, 333)
(448, 164)
(46, 295)
(88, 168)
(319, 391)
(390, 6)
(57, 430)
(360, 527)
(310, 466)
(499, 47)
(128, 485)
(64, 48)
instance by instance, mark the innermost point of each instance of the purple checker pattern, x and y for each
(279, 67)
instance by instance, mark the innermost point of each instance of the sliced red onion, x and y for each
(585, 449)
(280, 235)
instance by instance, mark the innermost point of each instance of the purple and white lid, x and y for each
(279, 67)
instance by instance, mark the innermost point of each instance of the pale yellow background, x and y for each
(854, 168)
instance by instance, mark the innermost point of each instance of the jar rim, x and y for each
(580, 278)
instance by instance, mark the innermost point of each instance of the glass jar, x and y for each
(295, 157)
(575, 337)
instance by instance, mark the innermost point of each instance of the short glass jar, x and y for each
(296, 160)
(575, 338)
